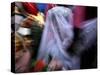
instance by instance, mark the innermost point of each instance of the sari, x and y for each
(57, 38)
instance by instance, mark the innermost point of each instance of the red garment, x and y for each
(79, 15)
(30, 8)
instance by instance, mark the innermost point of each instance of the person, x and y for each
(87, 36)
(86, 44)
(56, 38)
(26, 42)
(22, 55)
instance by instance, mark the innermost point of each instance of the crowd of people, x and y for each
(45, 38)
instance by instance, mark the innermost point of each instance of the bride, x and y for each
(56, 39)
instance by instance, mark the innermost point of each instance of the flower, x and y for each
(39, 66)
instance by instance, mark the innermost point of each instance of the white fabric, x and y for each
(24, 31)
(57, 37)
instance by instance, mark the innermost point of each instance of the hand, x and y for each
(27, 23)
(55, 65)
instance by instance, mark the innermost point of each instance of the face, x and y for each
(28, 42)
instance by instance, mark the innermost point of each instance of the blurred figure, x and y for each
(56, 39)
(87, 36)
(22, 55)
(85, 44)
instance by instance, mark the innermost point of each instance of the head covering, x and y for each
(57, 36)
(31, 8)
